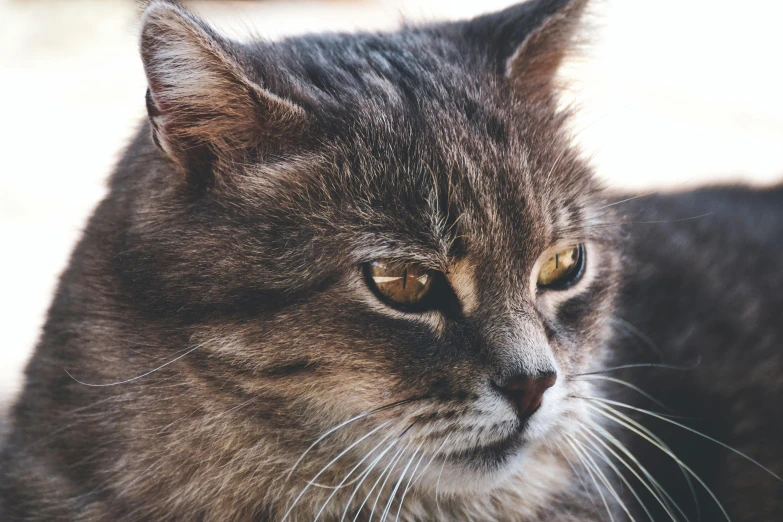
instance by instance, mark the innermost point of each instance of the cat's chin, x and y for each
(485, 469)
(490, 457)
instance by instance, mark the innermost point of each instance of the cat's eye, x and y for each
(563, 269)
(405, 285)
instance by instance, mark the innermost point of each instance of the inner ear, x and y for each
(527, 42)
(204, 102)
(534, 64)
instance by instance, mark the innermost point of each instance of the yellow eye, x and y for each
(562, 269)
(401, 284)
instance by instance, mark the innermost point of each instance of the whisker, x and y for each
(427, 466)
(440, 473)
(187, 351)
(408, 485)
(651, 222)
(589, 432)
(600, 454)
(339, 486)
(604, 478)
(393, 462)
(329, 464)
(629, 199)
(617, 417)
(582, 460)
(434, 456)
(366, 473)
(342, 483)
(641, 336)
(683, 426)
(577, 475)
(385, 474)
(397, 485)
(345, 423)
(555, 163)
(642, 365)
(598, 430)
(631, 386)
(605, 433)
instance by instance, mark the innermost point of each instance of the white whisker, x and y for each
(658, 440)
(581, 458)
(641, 336)
(397, 485)
(604, 478)
(617, 472)
(578, 476)
(628, 385)
(381, 476)
(683, 426)
(646, 194)
(329, 464)
(434, 456)
(640, 430)
(187, 351)
(366, 473)
(408, 486)
(343, 481)
(596, 430)
(643, 365)
(342, 425)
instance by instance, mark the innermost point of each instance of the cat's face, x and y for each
(402, 267)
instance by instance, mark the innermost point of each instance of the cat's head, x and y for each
(386, 240)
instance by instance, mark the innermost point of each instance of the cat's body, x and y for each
(703, 291)
(217, 350)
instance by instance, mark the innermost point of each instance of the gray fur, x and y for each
(214, 326)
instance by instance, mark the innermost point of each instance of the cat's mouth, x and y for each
(491, 456)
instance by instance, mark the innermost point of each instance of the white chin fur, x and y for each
(537, 462)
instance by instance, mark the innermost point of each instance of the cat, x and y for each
(369, 276)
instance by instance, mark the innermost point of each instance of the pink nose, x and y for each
(526, 392)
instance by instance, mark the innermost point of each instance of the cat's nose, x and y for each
(526, 392)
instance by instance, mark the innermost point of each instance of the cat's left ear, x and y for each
(205, 102)
(527, 42)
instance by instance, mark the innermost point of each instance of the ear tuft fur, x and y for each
(528, 41)
(203, 101)
(535, 62)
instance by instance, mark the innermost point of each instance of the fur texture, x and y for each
(213, 351)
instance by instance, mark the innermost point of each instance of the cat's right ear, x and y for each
(204, 103)
(527, 42)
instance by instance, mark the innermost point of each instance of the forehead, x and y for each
(424, 146)
(421, 196)
(441, 173)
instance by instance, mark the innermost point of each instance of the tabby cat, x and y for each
(369, 277)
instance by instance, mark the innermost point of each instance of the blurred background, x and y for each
(673, 93)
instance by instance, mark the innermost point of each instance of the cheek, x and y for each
(579, 312)
(578, 327)
(345, 354)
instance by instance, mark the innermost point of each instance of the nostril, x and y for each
(526, 392)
